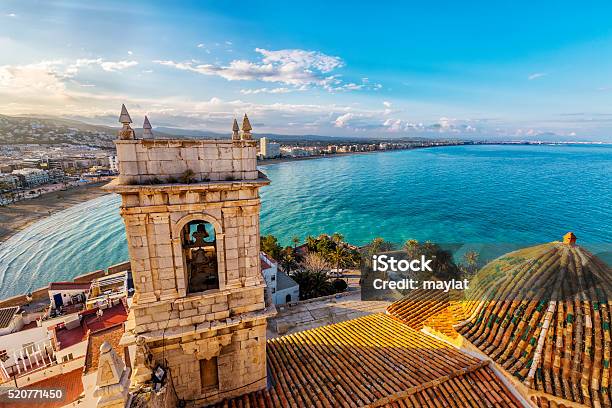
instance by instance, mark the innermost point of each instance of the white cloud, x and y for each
(387, 104)
(343, 121)
(256, 91)
(200, 45)
(536, 75)
(12, 15)
(112, 66)
(292, 67)
(130, 52)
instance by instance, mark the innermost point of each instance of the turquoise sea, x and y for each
(483, 196)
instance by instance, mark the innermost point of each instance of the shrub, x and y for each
(339, 285)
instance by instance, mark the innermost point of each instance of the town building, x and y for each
(282, 288)
(113, 164)
(30, 177)
(8, 181)
(268, 149)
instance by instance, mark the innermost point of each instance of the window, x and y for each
(288, 299)
(3, 356)
(209, 376)
(200, 255)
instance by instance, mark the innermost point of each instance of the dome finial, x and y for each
(569, 238)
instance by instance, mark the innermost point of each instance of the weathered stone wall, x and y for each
(241, 356)
(141, 161)
(154, 220)
(198, 313)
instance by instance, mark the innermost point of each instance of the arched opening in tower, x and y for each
(200, 254)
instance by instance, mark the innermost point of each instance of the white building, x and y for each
(113, 164)
(31, 177)
(267, 149)
(67, 293)
(8, 181)
(282, 288)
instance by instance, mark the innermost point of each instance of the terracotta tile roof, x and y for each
(431, 308)
(6, 315)
(374, 360)
(112, 335)
(70, 382)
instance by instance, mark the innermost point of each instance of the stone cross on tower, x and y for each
(199, 302)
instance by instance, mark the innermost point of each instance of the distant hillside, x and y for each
(51, 130)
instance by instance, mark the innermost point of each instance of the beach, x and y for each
(18, 216)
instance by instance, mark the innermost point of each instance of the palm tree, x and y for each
(311, 243)
(412, 248)
(337, 238)
(338, 257)
(296, 240)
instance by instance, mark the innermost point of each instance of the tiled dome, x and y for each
(543, 313)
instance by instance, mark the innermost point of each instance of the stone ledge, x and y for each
(115, 187)
(181, 331)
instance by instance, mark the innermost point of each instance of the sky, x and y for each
(479, 69)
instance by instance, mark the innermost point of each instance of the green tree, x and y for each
(296, 241)
(269, 245)
(312, 283)
(412, 248)
(311, 243)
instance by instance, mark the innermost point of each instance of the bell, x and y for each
(200, 235)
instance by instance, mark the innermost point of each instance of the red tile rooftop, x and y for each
(70, 383)
(111, 335)
(90, 322)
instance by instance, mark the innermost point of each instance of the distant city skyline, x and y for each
(477, 70)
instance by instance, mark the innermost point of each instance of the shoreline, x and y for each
(20, 215)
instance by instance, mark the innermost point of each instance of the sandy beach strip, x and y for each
(18, 216)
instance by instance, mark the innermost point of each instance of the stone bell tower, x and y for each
(191, 213)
